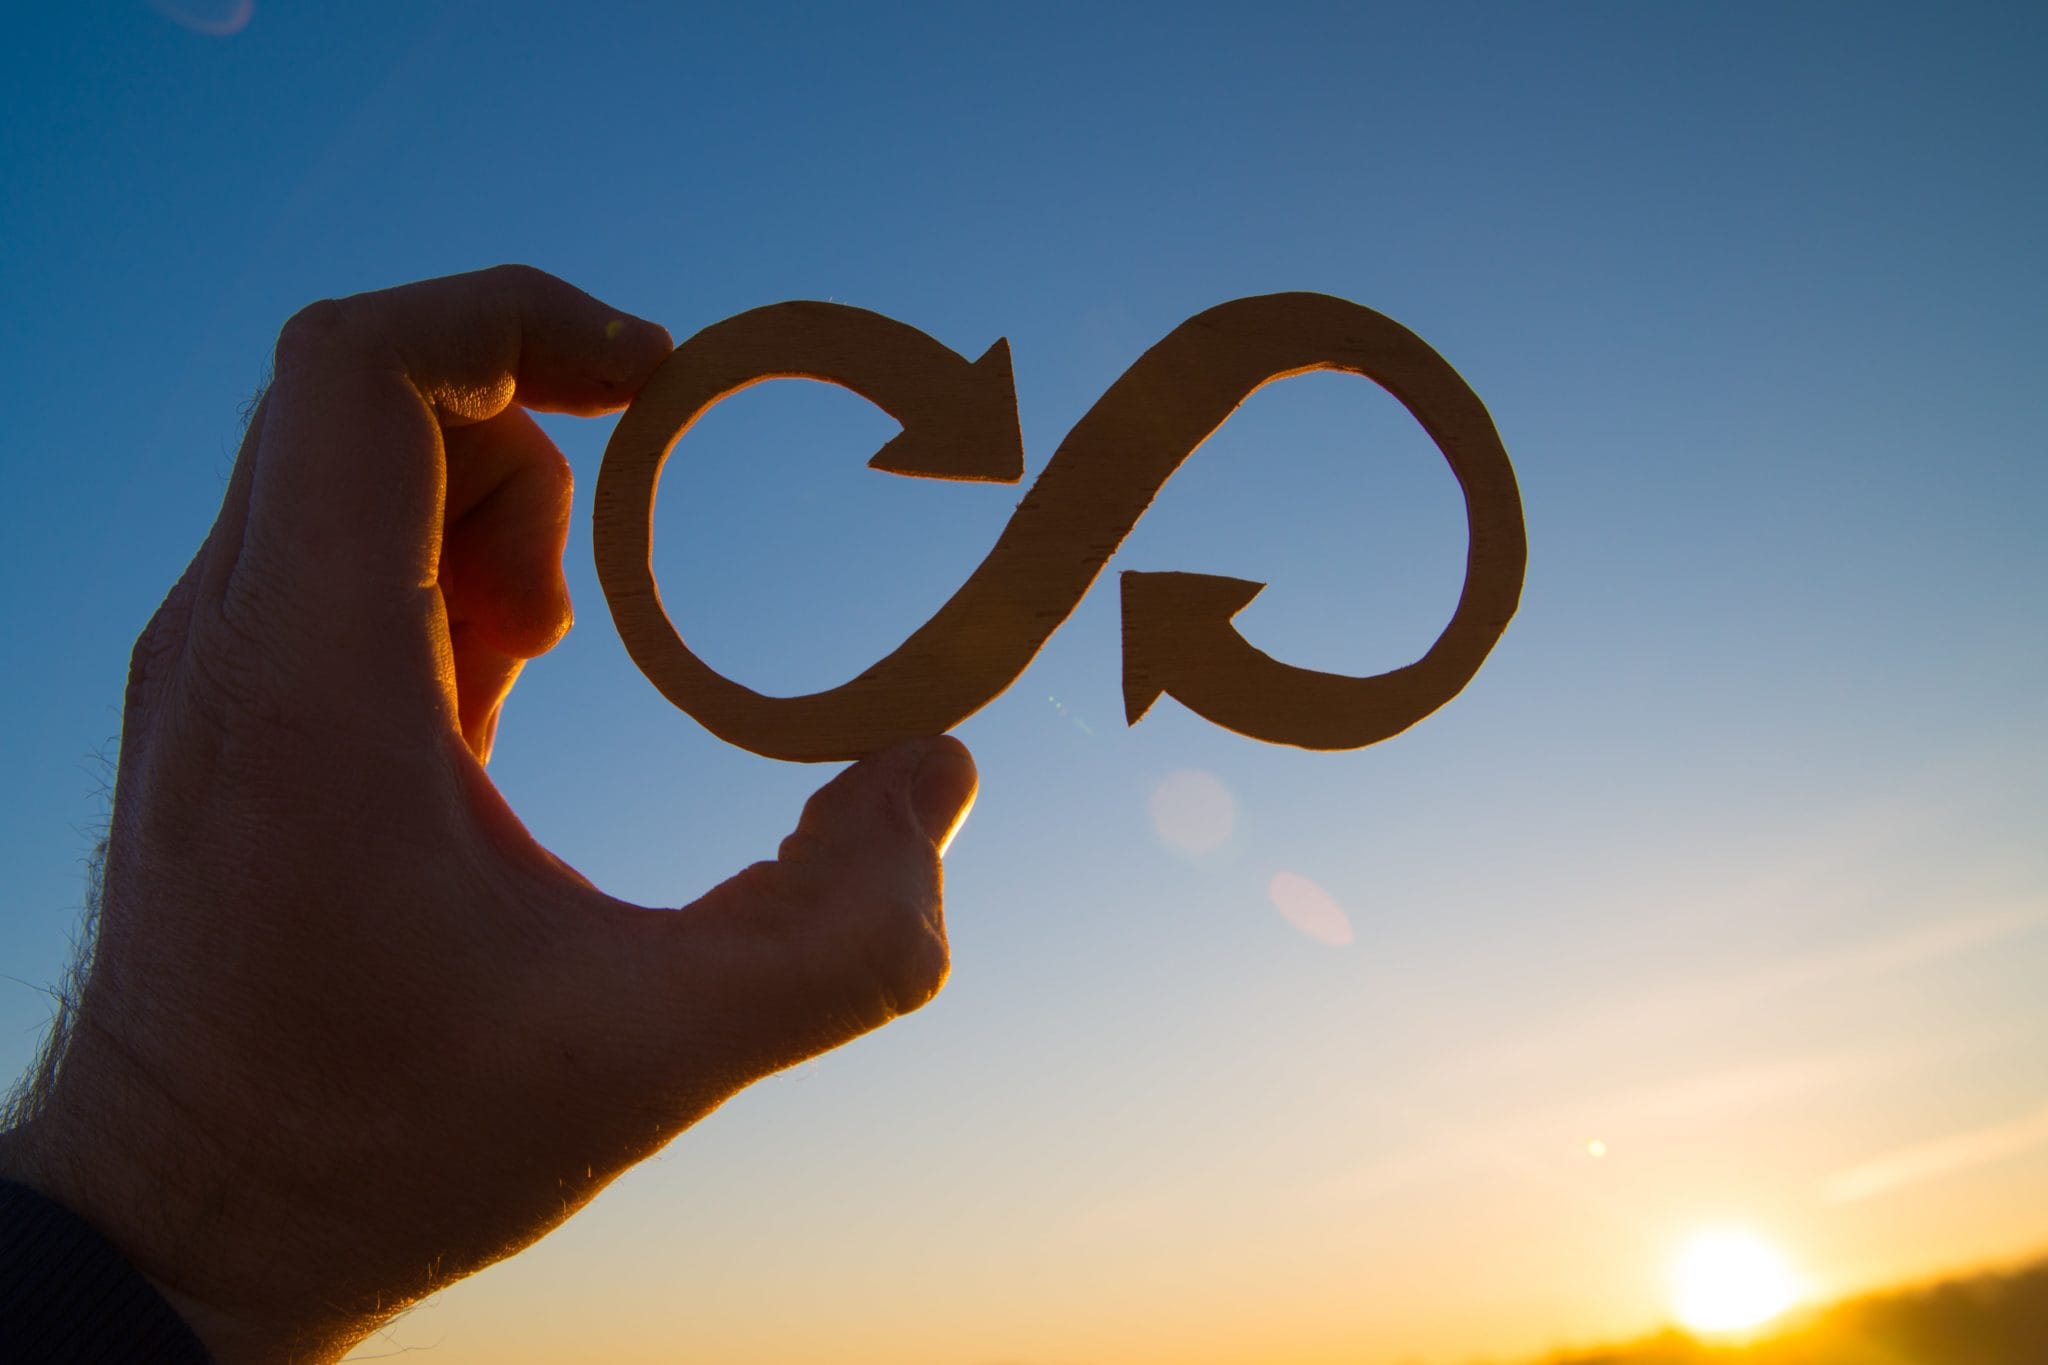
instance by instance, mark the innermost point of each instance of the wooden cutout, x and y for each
(960, 422)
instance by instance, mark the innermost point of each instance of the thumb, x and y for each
(842, 932)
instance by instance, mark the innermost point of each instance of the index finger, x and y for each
(470, 343)
(346, 499)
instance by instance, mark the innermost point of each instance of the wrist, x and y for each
(68, 1292)
(177, 1217)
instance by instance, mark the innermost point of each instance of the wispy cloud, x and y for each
(1939, 1157)
(1955, 934)
(1946, 938)
(1534, 1142)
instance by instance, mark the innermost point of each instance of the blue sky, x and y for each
(1740, 823)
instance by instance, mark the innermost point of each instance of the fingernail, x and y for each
(631, 331)
(943, 791)
(634, 346)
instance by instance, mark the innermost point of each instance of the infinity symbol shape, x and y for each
(960, 422)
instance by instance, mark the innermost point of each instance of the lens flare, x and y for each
(1193, 811)
(215, 18)
(1303, 903)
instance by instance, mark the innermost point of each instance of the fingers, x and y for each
(223, 546)
(507, 509)
(843, 932)
(346, 508)
(469, 343)
(483, 679)
(508, 504)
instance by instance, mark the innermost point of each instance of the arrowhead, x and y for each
(969, 429)
(1169, 618)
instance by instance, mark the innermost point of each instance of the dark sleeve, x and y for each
(69, 1298)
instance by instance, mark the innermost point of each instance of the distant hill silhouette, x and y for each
(1996, 1318)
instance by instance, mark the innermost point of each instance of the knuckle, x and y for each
(549, 484)
(516, 275)
(799, 847)
(905, 953)
(560, 474)
(882, 951)
(312, 331)
(156, 650)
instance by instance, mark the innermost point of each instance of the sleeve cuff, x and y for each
(67, 1295)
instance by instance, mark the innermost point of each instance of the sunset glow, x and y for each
(1728, 1281)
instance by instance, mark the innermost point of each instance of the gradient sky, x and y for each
(1730, 858)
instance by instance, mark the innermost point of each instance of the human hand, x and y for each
(350, 1033)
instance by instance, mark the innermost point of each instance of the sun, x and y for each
(1727, 1281)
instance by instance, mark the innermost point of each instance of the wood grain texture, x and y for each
(959, 421)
